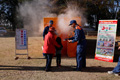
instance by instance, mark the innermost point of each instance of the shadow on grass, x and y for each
(88, 69)
(22, 68)
(97, 69)
(56, 69)
(31, 58)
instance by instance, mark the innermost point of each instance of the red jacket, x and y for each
(50, 43)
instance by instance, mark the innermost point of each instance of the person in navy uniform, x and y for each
(116, 70)
(79, 37)
(47, 28)
(45, 31)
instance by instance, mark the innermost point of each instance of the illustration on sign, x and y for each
(106, 40)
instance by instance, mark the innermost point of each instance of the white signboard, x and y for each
(21, 39)
(106, 40)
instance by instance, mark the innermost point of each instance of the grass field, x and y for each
(33, 69)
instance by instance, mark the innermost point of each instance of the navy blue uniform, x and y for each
(81, 47)
(45, 31)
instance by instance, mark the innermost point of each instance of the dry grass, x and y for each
(23, 69)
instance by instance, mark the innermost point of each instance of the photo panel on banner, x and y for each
(106, 40)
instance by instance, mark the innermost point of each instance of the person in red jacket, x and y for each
(49, 47)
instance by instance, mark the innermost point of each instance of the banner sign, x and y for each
(106, 40)
(21, 39)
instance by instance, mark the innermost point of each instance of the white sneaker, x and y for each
(116, 74)
(110, 72)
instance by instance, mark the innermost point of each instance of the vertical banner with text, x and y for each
(21, 39)
(106, 40)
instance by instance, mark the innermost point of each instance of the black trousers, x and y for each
(48, 60)
(58, 60)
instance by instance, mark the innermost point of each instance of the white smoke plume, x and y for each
(33, 12)
(71, 12)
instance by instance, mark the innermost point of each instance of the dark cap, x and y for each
(72, 21)
(51, 22)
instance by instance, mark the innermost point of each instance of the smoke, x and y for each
(71, 12)
(33, 12)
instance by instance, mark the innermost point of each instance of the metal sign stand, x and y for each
(20, 49)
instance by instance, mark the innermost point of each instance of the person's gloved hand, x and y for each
(70, 41)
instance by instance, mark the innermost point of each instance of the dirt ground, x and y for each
(33, 69)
